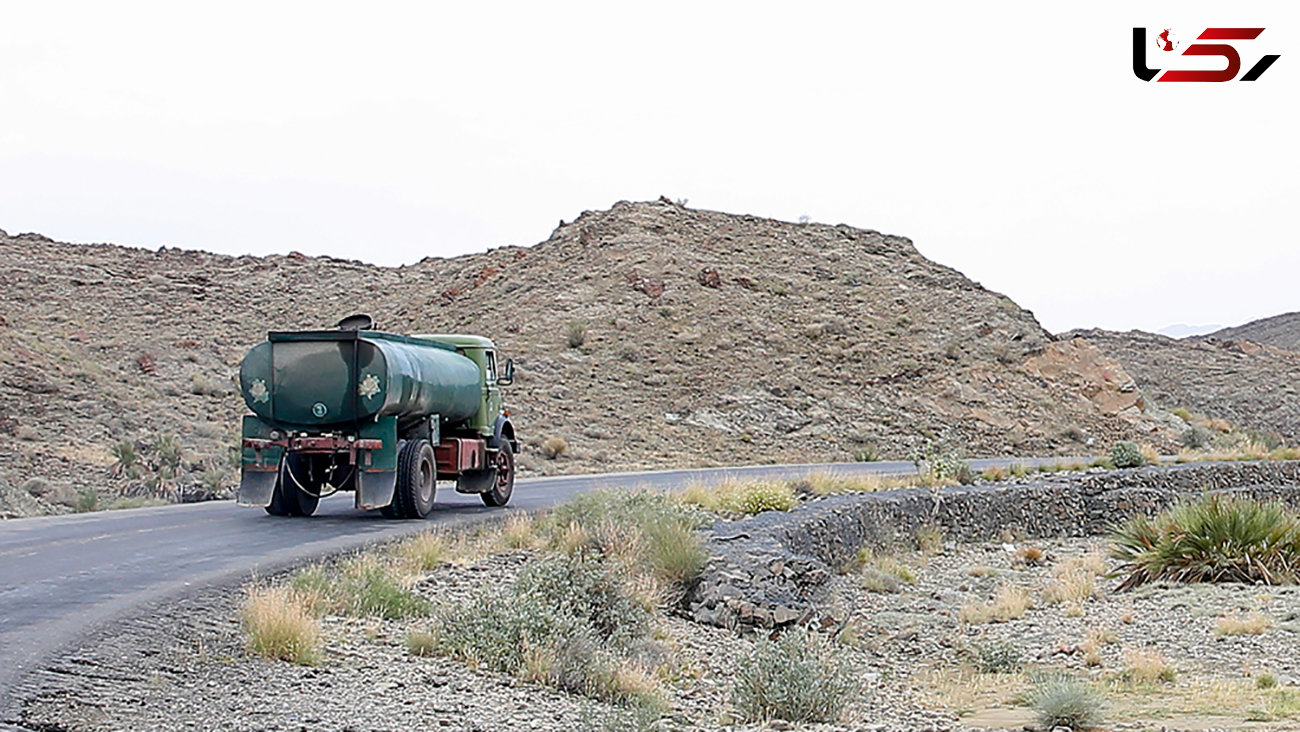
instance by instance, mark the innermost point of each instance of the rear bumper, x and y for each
(373, 453)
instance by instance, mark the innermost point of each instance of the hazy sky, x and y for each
(1008, 140)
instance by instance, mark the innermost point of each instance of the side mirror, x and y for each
(508, 377)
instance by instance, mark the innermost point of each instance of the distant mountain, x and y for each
(1250, 385)
(1279, 331)
(1182, 330)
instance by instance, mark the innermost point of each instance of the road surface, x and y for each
(64, 577)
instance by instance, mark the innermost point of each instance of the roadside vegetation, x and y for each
(1216, 538)
(582, 614)
(797, 678)
(589, 607)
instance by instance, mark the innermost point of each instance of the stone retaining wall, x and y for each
(779, 568)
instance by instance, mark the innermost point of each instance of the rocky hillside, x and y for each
(1279, 331)
(1250, 385)
(648, 335)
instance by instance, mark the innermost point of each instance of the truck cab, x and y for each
(491, 422)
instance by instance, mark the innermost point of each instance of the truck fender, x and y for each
(504, 429)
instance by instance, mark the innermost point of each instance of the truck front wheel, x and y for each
(416, 481)
(503, 480)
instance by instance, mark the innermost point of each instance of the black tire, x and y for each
(503, 479)
(288, 499)
(417, 481)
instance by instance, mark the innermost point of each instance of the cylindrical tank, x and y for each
(328, 379)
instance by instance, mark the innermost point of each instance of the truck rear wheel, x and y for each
(503, 480)
(288, 499)
(416, 481)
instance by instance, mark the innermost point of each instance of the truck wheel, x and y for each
(290, 500)
(416, 481)
(503, 483)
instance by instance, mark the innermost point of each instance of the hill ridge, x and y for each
(707, 338)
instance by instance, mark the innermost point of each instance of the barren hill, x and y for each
(1248, 384)
(647, 335)
(1279, 331)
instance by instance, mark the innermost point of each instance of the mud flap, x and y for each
(376, 477)
(256, 487)
(375, 488)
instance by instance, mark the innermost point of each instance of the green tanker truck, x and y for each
(383, 415)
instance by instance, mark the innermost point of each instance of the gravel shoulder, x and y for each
(184, 665)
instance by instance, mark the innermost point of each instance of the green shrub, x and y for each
(424, 551)
(929, 540)
(87, 500)
(1002, 657)
(649, 533)
(313, 587)
(880, 572)
(584, 588)
(501, 630)
(675, 555)
(868, 454)
(1065, 703)
(937, 464)
(1197, 438)
(1217, 538)
(1126, 454)
(570, 622)
(753, 496)
(798, 678)
(759, 496)
(366, 588)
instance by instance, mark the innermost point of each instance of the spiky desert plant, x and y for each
(1218, 538)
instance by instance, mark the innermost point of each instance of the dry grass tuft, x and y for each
(1010, 602)
(994, 474)
(929, 540)
(1147, 666)
(1251, 624)
(575, 539)
(1029, 556)
(553, 447)
(1075, 580)
(880, 572)
(1093, 642)
(421, 643)
(424, 551)
(519, 532)
(280, 625)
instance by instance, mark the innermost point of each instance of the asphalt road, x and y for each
(64, 577)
